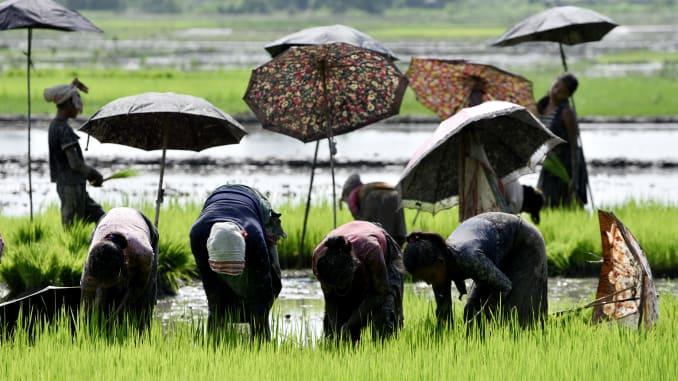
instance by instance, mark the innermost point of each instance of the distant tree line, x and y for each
(270, 6)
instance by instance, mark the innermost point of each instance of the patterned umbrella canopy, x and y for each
(513, 139)
(445, 86)
(316, 91)
(140, 121)
(626, 292)
(327, 35)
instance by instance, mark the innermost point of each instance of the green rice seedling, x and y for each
(175, 266)
(568, 348)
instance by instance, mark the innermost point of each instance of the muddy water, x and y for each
(626, 162)
(299, 309)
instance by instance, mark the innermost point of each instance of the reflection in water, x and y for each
(298, 311)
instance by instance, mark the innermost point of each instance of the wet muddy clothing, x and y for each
(75, 202)
(376, 293)
(138, 288)
(247, 297)
(381, 203)
(556, 191)
(506, 258)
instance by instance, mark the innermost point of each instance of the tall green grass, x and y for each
(42, 253)
(631, 95)
(568, 348)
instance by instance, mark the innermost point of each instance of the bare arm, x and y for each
(443, 295)
(77, 164)
(572, 128)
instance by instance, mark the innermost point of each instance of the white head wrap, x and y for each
(226, 248)
(62, 93)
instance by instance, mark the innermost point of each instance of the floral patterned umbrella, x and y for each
(318, 91)
(626, 292)
(446, 86)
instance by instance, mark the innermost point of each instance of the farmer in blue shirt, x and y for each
(234, 245)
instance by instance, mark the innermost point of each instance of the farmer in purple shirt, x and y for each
(359, 267)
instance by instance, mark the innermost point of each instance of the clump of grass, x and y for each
(175, 266)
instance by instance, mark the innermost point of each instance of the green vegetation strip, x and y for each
(568, 348)
(632, 95)
(42, 253)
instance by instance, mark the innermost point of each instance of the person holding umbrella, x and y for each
(375, 202)
(359, 267)
(66, 163)
(558, 116)
(121, 271)
(234, 244)
(504, 255)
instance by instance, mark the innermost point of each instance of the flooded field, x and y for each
(299, 309)
(626, 161)
(215, 48)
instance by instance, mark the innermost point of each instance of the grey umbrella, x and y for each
(327, 35)
(39, 14)
(153, 121)
(513, 139)
(565, 25)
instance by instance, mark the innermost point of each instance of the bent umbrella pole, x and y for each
(28, 87)
(308, 199)
(330, 142)
(161, 192)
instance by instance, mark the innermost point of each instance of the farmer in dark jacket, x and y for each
(504, 255)
(67, 166)
(359, 267)
(234, 245)
(376, 202)
(121, 271)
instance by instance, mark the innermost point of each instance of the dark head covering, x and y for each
(570, 82)
(349, 185)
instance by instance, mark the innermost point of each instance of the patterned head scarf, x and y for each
(226, 248)
(63, 93)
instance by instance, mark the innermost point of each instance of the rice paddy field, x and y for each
(568, 348)
(42, 253)
(631, 95)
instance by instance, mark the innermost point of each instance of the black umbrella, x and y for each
(327, 35)
(153, 121)
(39, 306)
(39, 14)
(564, 25)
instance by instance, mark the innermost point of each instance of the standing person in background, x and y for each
(375, 202)
(121, 271)
(359, 267)
(234, 245)
(557, 115)
(67, 166)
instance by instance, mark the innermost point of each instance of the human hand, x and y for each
(95, 178)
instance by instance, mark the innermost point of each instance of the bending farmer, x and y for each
(234, 245)
(67, 166)
(359, 269)
(375, 202)
(121, 271)
(504, 255)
